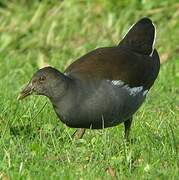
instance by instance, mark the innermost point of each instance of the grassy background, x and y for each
(33, 144)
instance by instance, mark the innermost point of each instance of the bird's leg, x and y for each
(127, 125)
(78, 134)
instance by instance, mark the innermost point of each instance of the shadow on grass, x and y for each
(27, 130)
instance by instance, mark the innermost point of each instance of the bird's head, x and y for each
(47, 81)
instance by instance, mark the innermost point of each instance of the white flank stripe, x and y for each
(132, 91)
(145, 92)
(135, 90)
(117, 82)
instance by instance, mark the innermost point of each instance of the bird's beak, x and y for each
(28, 90)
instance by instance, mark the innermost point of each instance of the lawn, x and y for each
(34, 144)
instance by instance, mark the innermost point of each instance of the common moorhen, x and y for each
(106, 86)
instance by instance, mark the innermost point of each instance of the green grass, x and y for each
(34, 144)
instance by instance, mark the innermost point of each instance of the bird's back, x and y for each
(133, 61)
(116, 63)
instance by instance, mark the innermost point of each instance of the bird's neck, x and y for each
(60, 88)
(62, 98)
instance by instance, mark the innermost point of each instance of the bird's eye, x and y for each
(42, 78)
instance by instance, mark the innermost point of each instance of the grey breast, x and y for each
(101, 105)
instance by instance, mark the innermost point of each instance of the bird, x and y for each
(104, 87)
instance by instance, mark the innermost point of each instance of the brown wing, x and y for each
(114, 63)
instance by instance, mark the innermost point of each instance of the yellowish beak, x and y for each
(28, 90)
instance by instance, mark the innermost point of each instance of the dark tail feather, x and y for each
(156, 61)
(155, 67)
(141, 37)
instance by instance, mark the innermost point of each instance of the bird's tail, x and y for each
(155, 61)
(140, 38)
(155, 67)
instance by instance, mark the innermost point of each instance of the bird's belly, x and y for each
(104, 109)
